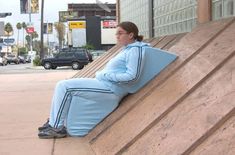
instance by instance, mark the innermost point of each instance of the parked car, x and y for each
(3, 61)
(11, 58)
(21, 59)
(28, 58)
(75, 57)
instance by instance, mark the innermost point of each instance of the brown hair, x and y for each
(131, 28)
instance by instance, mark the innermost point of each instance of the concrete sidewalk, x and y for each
(25, 104)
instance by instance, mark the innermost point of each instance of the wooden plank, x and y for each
(156, 41)
(178, 85)
(173, 42)
(166, 40)
(193, 120)
(183, 49)
(222, 142)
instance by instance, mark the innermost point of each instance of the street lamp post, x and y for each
(30, 22)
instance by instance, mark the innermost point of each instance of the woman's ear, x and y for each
(131, 35)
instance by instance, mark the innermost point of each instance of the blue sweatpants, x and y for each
(80, 104)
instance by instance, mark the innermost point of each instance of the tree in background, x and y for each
(24, 26)
(8, 29)
(18, 26)
(60, 29)
(34, 36)
(37, 46)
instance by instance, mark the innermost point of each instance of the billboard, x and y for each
(24, 6)
(78, 37)
(65, 15)
(29, 30)
(47, 28)
(78, 33)
(108, 30)
(2, 29)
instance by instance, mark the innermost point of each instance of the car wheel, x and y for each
(53, 67)
(81, 66)
(75, 65)
(47, 65)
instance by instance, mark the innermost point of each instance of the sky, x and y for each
(51, 15)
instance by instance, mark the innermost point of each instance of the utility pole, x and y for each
(47, 39)
(42, 47)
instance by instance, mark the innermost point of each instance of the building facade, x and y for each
(94, 25)
(86, 10)
(157, 18)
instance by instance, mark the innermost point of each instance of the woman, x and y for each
(78, 105)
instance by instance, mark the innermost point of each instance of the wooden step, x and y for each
(200, 56)
(71, 146)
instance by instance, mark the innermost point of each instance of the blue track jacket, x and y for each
(124, 69)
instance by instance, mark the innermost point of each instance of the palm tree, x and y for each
(34, 36)
(60, 28)
(18, 26)
(24, 26)
(8, 29)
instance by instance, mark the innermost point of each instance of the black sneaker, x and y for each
(44, 126)
(51, 132)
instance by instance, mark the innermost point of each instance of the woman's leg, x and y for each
(85, 92)
(88, 108)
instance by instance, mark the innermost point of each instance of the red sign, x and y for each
(30, 30)
(109, 24)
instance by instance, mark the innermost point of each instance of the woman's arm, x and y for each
(134, 65)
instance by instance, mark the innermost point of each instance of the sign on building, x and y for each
(109, 24)
(77, 25)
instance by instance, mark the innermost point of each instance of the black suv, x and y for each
(75, 57)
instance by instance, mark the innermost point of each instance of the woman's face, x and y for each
(123, 37)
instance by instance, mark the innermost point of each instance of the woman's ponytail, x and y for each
(139, 38)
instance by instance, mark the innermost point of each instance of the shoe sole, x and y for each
(51, 137)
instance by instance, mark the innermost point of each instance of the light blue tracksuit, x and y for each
(81, 103)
